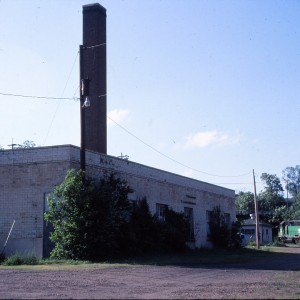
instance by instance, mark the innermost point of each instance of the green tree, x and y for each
(294, 211)
(94, 220)
(271, 203)
(140, 235)
(279, 214)
(244, 202)
(272, 183)
(235, 237)
(88, 216)
(67, 217)
(27, 144)
(218, 230)
(292, 175)
(148, 234)
(173, 232)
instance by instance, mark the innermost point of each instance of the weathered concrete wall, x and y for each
(167, 188)
(27, 175)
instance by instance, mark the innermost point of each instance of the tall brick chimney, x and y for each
(93, 68)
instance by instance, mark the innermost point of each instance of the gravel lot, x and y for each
(266, 278)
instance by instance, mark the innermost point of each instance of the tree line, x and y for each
(25, 144)
(273, 206)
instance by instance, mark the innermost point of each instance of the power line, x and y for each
(76, 91)
(170, 158)
(77, 54)
(58, 105)
(233, 183)
(94, 46)
(154, 149)
(38, 97)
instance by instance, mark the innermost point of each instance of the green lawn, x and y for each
(203, 257)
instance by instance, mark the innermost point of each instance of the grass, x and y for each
(206, 257)
(196, 258)
(17, 259)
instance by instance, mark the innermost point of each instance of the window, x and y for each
(47, 196)
(46, 201)
(189, 215)
(216, 218)
(133, 202)
(227, 219)
(160, 211)
(248, 231)
(209, 215)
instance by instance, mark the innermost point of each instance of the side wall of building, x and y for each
(164, 188)
(265, 233)
(28, 175)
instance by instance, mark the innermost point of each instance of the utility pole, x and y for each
(12, 145)
(256, 214)
(124, 156)
(82, 112)
(286, 180)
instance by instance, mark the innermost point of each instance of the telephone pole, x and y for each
(286, 180)
(256, 214)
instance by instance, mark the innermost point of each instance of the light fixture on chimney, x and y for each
(87, 102)
(85, 92)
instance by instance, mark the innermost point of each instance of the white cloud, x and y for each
(208, 138)
(188, 173)
(116, 115)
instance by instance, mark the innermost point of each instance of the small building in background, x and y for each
(248, 230)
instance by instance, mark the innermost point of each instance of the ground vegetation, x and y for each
(94, 220)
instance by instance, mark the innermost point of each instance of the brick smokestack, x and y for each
(93, 67)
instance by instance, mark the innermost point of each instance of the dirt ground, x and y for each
(277, 278)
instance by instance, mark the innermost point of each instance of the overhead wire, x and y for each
(37, 97)
(130, 133)
(94, 46)
(139, 139)
(172, 159)
(58, 105)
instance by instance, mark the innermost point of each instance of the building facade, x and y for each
(28, 176)
(248, 229)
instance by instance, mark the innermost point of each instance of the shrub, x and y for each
(251, 243)
(89, 217)
(19, 259)
(2, 258)
(235, 235)
(219, 233)
(278, 243)
(173, 232)
(94, 220)
(140, 235)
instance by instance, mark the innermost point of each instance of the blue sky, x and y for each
(205, 89)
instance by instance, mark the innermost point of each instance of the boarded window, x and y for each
(227, 219)
(248, 231)
(161, 211)
(189, 215)
(209, 216)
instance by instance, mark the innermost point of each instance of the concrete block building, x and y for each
(28, 176)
